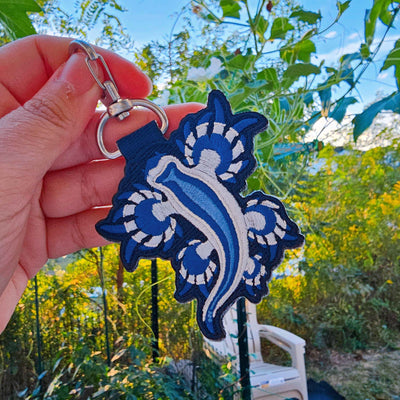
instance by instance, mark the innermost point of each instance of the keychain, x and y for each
(180, 200)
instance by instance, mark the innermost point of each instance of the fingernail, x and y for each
(76, 72)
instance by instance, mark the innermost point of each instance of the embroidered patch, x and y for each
(180, 200)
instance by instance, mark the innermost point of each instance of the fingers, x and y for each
(78, 188)
(10, 296)
(70, 234)
(85, 148)
(50, 121)
(8, 102)
(33, 60)
(55, 110)
(73, 190)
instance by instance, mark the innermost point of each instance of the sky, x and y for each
(148, 20)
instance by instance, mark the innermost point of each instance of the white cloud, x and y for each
(334, 55)
(383, 75)
(204, 74)
(163, 99)
(352, 47)
(381, 133)
(326, 130)
(353, 36)
(331, 35)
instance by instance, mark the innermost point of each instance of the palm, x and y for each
(50, 193)
(34, 251)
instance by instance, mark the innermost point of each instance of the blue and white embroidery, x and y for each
(180, 200)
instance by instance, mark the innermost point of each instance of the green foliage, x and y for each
(393, 60)
(14, 19)
(73, 337)
(86, 17)
(342, 7)
(308, 17)
(270, 72)
(341, 295)
(295, 71)
(91, 15)
(339, 112)
(346, 297)
(379, 10)
(289, 33)
(230, 8)
(280, 27)
(364, 120)
(374, 376)
(131, 376)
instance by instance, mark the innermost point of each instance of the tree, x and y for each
(48, 15)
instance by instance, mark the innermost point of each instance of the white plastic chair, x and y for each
(268, 381)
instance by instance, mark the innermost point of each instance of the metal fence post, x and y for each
(243, 349)
(154, 309)
(38, 335)
(104, 306)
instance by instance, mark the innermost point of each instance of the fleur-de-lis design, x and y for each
(180, 200)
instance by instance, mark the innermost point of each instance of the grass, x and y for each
(373, 374)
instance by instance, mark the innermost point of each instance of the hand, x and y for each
(49, 184)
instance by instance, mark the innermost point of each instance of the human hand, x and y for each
(50, 185)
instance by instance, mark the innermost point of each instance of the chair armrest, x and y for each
(287, 341)
(281, 334)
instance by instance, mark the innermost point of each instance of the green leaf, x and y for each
(393, 59)
(306, 16)
(386, 16)
(342, 7)
(102, 390)
(341, 107)
(57, 363)
(257, 84)
(325, 96)
(331, 70)
(364, 120)
(261, 27)
(242, 62)
(379, 7)
(269, 75)
(230, 8)
(299, 51)
(364, 51)
(309, 34)
(284, 104)
(238, 97)
(295, 71)
(308, 98)
(347, 74)
(14, 19)
(118, 355)
(315, 116)
(209, 17)
(280, 27)
(42, 375)
(22, 393)
(304, 50)
(346, 59)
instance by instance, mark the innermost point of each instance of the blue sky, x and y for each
(148, 20)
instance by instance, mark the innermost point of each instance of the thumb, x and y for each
(35, 134)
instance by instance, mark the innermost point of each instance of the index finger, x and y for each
(27, 64)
